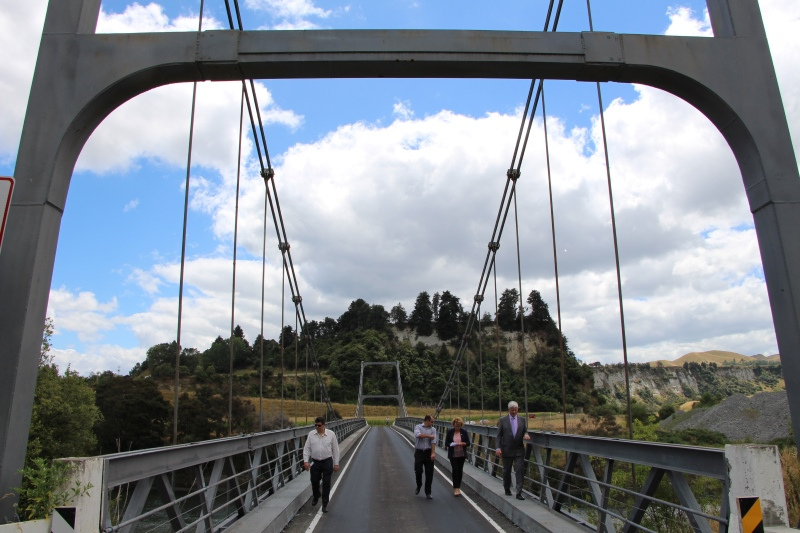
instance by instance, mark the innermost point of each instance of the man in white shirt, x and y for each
(321, 456)
(424, 454)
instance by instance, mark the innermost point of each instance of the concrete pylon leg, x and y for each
(26, 265)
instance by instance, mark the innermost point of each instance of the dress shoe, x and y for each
(416, 491)
(314, 502)
(520, 497)
(508, 492)
(428, 496)
(324, 508)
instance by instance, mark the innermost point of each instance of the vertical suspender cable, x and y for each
(296, 362)
(555, 262)
(283, 337)
(183, 254)
(616, 248)
(263, 282)
(469, 398)
(497, 342)
(233, 282)
(521, 311)
(480, 357)
(306, 382)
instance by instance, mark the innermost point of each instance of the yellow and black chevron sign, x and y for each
(752, 520)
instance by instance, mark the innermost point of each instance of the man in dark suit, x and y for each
(512, 432)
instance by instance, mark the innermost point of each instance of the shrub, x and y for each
(43, 489)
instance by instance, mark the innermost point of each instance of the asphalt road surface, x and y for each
(374, 491)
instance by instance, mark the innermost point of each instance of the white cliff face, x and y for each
(658, 384)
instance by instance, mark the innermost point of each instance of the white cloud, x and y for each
(384, 211)
(18, 20)
(291, 14)
(154, 126)
(81, 313)
(403, 110)
(683, 21)
(98, 358)
(130, 206)
(150, 18)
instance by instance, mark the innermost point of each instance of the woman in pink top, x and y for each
(456, 441)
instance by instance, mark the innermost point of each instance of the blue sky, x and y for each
(390, 187)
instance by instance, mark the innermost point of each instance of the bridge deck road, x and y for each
(376, 493)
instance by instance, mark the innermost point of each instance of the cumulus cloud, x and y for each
(154, 126)
(81, 313)
(382, 211)
(17, 19)
(290, 14)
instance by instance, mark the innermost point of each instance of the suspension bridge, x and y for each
(237, 482)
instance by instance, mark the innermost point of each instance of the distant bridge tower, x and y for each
(401, 404)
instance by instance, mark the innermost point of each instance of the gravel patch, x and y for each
(759, 419)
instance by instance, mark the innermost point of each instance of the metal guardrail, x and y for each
(204, 486)
(588, 479)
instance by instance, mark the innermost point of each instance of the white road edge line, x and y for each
(317, 517)
(488, 518)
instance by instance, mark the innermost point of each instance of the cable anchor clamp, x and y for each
(494, 246)
(513, 174)
(283, 246)
(479, 298)
(267, 173)
(297, 299)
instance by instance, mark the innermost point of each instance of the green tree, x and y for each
(539, 318)
(447, 320)
(64, 413)
(219, 353)
(163, 355)
(507, 310)
(421, 319)
(398, 316)
(135, 415)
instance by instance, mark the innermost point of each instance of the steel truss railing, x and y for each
(574, 475)
(205, 486)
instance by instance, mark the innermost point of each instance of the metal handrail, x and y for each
(672, 460)
(257, 466)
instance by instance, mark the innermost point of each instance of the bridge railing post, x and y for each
(85, 495)
(755, 471)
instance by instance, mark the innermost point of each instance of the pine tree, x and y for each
(421, 319)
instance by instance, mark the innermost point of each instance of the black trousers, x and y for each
(519, 463)
(422, 458)
(457, 464)
(322, 470)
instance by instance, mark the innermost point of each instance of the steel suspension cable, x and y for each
(616, 246)
(555, 262)
(512, 175)
(233, 283)
(268, 173)
(183, 253)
